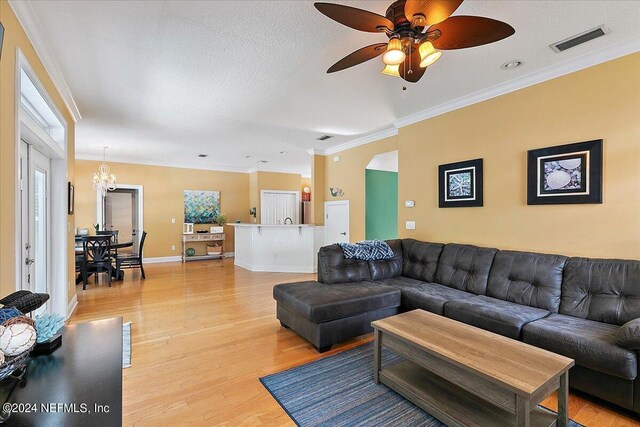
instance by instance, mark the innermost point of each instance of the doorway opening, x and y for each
(121, 210)
(381, 197)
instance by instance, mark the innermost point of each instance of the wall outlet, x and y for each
(173, 247)
(409, 203)
(410, 225)
(173, 220)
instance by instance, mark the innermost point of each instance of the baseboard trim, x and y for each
(276, 268)
(160, 259)
(157, 260)
(71, 306)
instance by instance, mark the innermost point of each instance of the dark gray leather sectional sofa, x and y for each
(572, 306)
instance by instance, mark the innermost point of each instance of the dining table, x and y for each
(116, 274)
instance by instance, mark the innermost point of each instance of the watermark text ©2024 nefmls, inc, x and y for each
(52, 407)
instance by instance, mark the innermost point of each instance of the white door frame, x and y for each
(28, 129)
(336, 203)
(100, 205)
(297, 194)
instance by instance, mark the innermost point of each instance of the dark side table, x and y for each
(80, 384)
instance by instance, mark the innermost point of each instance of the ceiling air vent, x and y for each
(324, 137)
(578, 39)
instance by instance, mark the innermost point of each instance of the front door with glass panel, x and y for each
(35, 218)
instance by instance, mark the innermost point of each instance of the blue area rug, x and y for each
(339, 391)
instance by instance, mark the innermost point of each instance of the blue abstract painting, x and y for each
(201, 207)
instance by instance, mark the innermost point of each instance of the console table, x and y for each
(202, 238)
(79, 384)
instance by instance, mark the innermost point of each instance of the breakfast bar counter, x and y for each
(278, 248)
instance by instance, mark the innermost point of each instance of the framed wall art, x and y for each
(201, 207)
(565, 174)
(460, 184)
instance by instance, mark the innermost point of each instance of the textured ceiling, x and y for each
(160, 82)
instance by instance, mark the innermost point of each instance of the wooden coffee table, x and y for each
(467, 376)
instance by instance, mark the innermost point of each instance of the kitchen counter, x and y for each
(286, 248)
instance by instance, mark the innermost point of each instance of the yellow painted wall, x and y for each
(348, 174)
(164, 199)
(318, 184)
(601, 102)
(272, 181)
(15, 37)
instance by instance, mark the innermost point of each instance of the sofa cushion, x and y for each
(319, 302)
(465, 267)
(426, 296)
(386, 268)
(333, 267)
(527, 278)
(628, 335)
(495, 315)
(604, 290)
(420, 259)
(592, 344)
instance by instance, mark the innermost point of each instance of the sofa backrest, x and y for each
(527, 278)
(465, 267)
(387, 268)
(604, 290)
(420, 259)
(333, 267)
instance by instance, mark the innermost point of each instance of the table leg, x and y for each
(563, 400)
(523, 410)
(376, 356)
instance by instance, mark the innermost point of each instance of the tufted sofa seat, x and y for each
(577, 307)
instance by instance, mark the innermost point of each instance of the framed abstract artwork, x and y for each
(201, 207)
(565, 174)
(460, 184)
(1, 38)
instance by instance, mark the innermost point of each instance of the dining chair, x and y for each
(97, 257)
(133, 260)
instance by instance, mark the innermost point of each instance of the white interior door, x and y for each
(336, 222)
(278, 207)
(35, 207)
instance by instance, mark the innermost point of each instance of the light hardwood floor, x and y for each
(204, 332)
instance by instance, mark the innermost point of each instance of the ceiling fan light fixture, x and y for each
(394, 54)
(391, 70)
(428, 54)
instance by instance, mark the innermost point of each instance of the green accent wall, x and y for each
(381, 205)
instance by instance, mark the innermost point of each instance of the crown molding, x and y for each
(552, 72)
(317, 152)
(558, 70)
(138, 161)
(362, 141)
(28, 21)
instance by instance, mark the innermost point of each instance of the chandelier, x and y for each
(104, 179)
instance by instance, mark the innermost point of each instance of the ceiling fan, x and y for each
(418, 30)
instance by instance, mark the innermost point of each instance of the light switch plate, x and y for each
(409, 203)
(173, 220)
(410, 225)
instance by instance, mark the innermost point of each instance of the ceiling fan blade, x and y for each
(459, 32)
(434, 11)
(358, 57)
(358, 19)
(410, 69)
